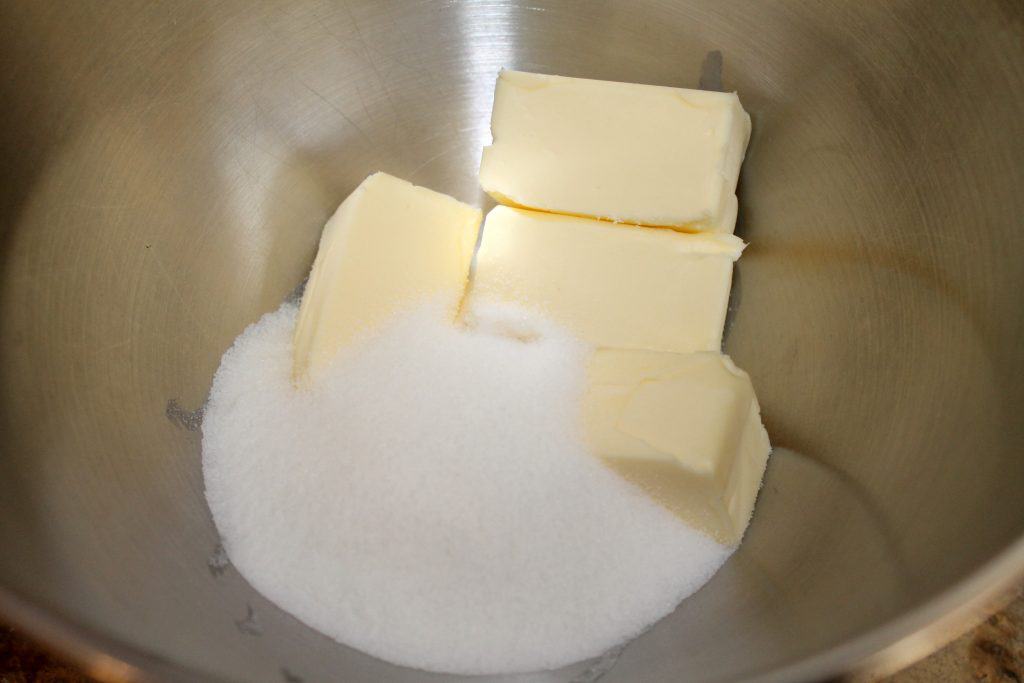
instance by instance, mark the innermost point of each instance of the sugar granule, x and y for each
(430, 501)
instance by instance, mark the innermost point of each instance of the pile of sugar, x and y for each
(429, 500)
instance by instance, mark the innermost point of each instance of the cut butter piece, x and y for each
(389, 245)
(625, 152)
(611, 285)
(686, 428)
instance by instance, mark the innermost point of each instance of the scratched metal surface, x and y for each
(166, 170)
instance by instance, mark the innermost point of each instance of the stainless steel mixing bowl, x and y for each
(166, 169)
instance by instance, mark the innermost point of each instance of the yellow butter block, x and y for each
(684, 427)
(612, 285)
(625, 152)
(389, 245)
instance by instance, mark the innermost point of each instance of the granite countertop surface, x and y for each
(993, 652)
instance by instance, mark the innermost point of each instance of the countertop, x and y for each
(993, 652)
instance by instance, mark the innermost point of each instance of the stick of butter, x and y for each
(612, 285)
(684, 427)
(389, 245)
(630, 153)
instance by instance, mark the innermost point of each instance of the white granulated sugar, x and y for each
(430, 502)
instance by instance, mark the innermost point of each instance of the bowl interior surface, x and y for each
(167, 169)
